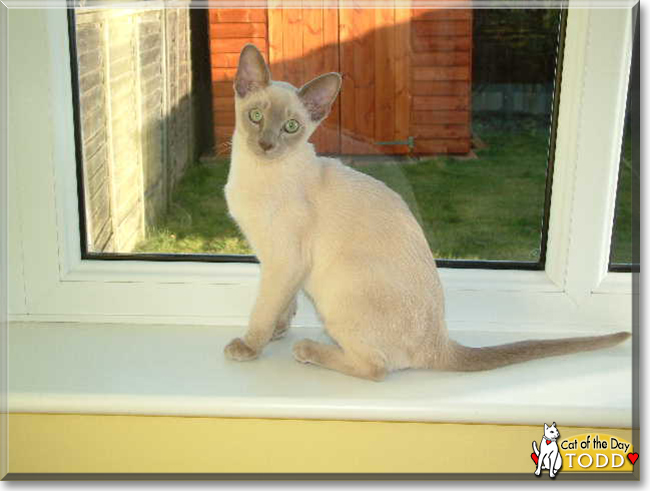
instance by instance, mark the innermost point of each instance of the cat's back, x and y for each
(358, 190)
(363, 216)
(369, 250)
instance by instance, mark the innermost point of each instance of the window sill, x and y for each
(181, 371)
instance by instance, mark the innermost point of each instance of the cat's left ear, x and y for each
(319, 95)
(553, 424)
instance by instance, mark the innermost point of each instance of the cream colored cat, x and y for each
(344, 238)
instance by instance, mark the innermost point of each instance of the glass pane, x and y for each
(622, 236)
(450, 108)
(624, 253)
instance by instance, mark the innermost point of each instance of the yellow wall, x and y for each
(40, 443)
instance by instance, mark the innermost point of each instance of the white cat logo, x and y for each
(548, 456)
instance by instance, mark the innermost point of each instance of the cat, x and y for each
(548, 455)
(345, 239)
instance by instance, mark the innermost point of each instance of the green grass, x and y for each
(197, 221)
(487, 208)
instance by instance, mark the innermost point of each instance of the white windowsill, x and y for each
(181, 371)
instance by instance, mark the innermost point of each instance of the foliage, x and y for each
(514, 45)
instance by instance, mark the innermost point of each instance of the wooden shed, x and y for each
(406, 73)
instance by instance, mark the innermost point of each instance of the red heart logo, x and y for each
(633, 457)
(548, 441)
(536, 459)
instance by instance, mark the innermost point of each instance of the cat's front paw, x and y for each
(538, 472)
(238, 350)
(303, 351)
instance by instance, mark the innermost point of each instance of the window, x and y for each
(454, 109)
(57, 282)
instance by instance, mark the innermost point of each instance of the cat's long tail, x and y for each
(535, 448)
(464, 359)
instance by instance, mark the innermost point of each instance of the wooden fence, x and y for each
(135, 87)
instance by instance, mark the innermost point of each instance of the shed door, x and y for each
(303, 43)
(374, 56)
(370, 49)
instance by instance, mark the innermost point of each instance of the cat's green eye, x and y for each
(291, 126)
(255, 115)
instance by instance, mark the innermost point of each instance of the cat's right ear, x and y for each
(545, 427)
(252, 72)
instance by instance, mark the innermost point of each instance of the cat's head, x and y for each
(275, 117)
(551, 431)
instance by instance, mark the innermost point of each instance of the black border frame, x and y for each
(78, 140)
(539, 265)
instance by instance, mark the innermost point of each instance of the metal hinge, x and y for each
(410, 141)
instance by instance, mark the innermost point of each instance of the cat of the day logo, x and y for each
(588, 452)
(548, 455)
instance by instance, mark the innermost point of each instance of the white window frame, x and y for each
(51, 282)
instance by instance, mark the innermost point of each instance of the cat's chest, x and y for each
(242, 202)
(548, 445)
(252, 204)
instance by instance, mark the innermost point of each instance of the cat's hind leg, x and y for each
(356, 363)
(284, 322)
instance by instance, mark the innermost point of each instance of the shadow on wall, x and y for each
(406, 72)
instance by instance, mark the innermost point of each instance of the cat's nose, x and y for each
(266, 146)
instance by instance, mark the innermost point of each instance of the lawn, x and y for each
(487, 208)
(197, 221)
(490, 207)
